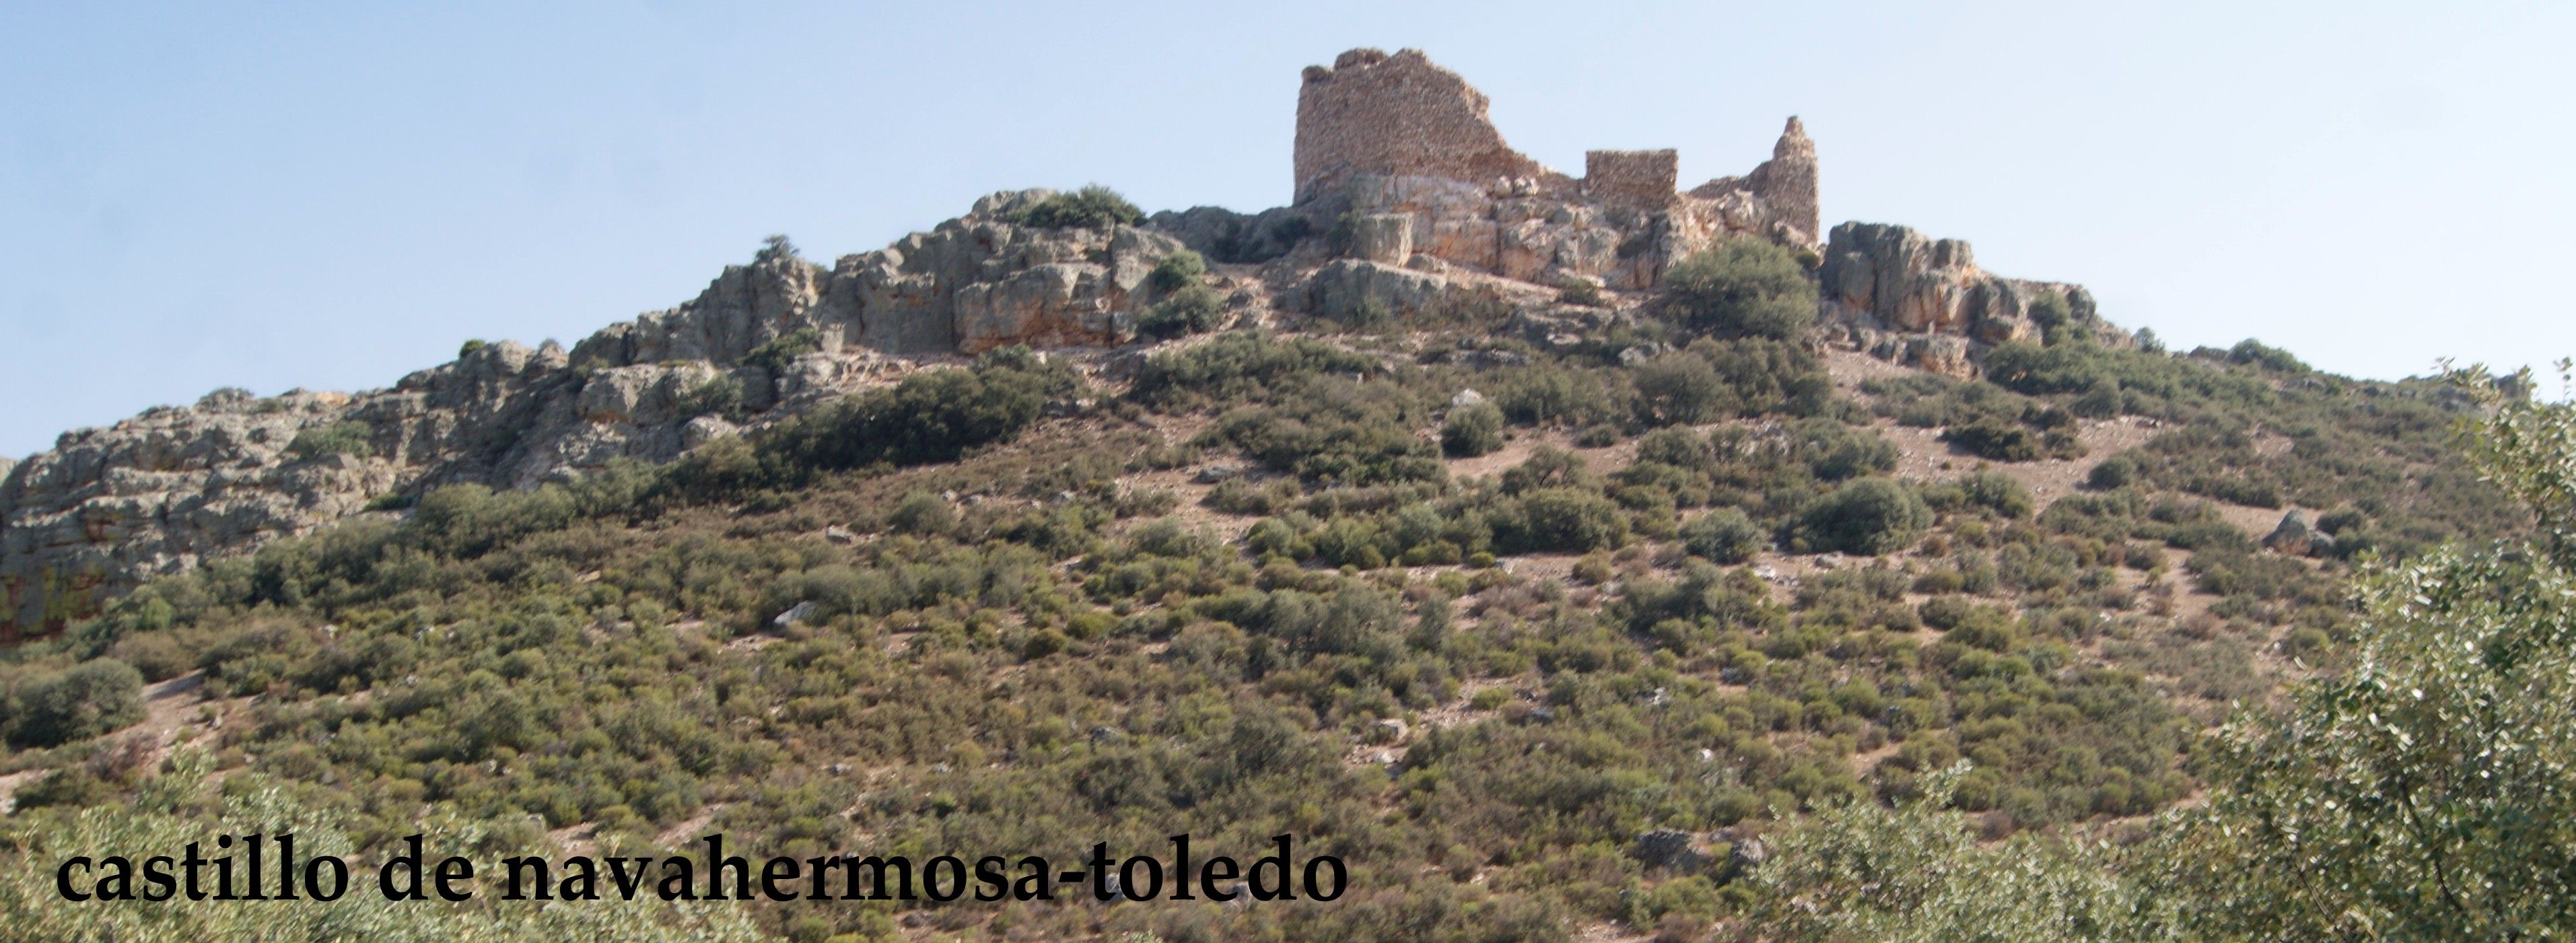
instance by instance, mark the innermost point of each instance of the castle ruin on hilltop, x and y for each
(1407, 203)
(1399, 134)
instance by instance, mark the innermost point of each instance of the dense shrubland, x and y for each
(2419, 793)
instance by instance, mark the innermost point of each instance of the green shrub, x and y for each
(923, 514)
(157, 655)
(1472, 430)
(1092, 207)
(932, 416)
(1679, 448)
(1177, 271)
(2118, 471)
(1769, 375)
(2265, 356)
(1369, 315)
(1869, 516)
(1577, 291)
(1723, 536)
(1993, 491)
(1597, 437)
(1241, 367)
(1837, 451)
(81, 701)
(72, 787)
(1555, 396)
(1336, 431)
(1995, 439)
(718, 395)
(347, 437)
(783, 350)
(1681, 388)
(775, 246)
(1559, 520)
(1192, 309)
(1742, 287)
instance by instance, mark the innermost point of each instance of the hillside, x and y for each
(1539, 545)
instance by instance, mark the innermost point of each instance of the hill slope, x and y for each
(1539, 594)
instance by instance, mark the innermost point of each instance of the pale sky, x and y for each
(332, 195)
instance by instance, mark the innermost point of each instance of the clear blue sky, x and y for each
(331, 195)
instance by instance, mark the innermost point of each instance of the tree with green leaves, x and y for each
(2424, 788)
(1742, 287)
(2428, 789)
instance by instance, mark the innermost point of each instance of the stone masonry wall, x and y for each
(1396, 115)
(1637, 180)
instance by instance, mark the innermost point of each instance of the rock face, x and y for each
(1385, 238)
(108, 508)
(1345, 289)
(1925, 302)
(970, 285)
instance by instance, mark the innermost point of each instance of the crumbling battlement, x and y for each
(1384, 135)
(1396, 115)
(1785, 186)
(1637, 180)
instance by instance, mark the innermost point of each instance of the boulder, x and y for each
(1223, 235)
(1939, 353)
(705, 429)
(1744, 856)
(1342, 289)
(1670, 849)
(2297, 535)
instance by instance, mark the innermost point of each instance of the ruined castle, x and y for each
(1398, 134)
(1406, 198)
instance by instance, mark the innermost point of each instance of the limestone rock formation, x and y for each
(1344, 289)
(107, 508)
(1224, 235)
(1385, 238)
(156, 493)
(1893, 291)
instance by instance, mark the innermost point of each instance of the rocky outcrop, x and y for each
(159, 493)
(2298, 536)
(1908, 297)
(972, 284)
(1385, 238)
(1353, 290)
(1224, 235)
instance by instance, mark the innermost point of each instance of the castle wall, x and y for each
(1399, 115)
(1637, 180)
